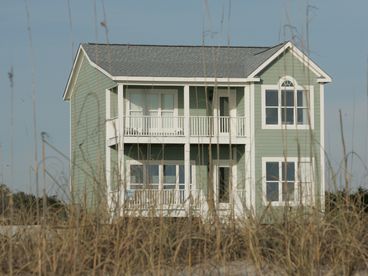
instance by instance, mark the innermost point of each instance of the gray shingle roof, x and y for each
(178, 61)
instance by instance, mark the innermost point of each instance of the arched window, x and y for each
(286, 103)
(287, 83)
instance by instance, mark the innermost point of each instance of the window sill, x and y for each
(282, 204)
(288, 127)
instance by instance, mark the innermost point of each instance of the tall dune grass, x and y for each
(303, 243)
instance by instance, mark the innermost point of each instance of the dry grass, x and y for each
(303, 244)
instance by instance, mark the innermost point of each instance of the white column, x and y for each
(187, 140)
(322, 143)
(108, 152)
(252, 149)
(247, 152)
(120, 140)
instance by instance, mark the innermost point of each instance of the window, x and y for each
(153, 176)
(286, 181)
(149, 176)
(152, 103)
(280, 181)
(272, 104)
(136, 176)
(287, 105)
(169, 176)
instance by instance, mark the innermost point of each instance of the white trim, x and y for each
(296, 88)
(121, 152)
(296, 200)
(71, 159)
(108, 177)
(225, 163)
(322, 145)
(182, 80)
(253, 150)
(66, 90)
(79, 59)
(248, 147)
(182, 84)
(186, 92)
(323, 77)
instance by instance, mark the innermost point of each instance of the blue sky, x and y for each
(338, 38)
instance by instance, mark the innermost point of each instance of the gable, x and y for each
(287, 64)
(298, 57)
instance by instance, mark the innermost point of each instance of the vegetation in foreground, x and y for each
(79, 243)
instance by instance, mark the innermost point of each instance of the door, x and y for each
(224, 111)
(223, 186)
(224, 114)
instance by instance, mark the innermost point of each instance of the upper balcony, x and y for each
(204, 129)
(141, 114)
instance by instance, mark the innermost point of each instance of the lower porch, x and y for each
(153, 179)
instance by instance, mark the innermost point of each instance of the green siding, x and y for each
(114, 163)
(240, 112)
(114, 102)
(240, 157)
(200, 106)
(279, 143)
(88, 135)
(197, 101)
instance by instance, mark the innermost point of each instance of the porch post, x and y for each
(187, 143)
(107, 155)
(120, 141)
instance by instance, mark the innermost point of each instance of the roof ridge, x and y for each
(270, 48)
(177, 45)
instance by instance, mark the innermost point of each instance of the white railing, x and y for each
(200, 126)
(154, 126)
(205, 126)
(150, 198)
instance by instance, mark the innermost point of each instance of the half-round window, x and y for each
(287, 83)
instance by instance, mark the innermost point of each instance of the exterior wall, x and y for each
(240, 102)
(199, 106)
(88, 135)
(280, 143)
(198, 103)
(114, 168)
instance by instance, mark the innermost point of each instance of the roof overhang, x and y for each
(81, 54)
(322, 77)
(76, 63)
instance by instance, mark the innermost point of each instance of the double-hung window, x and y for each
(287, 104)
(280, 181)
(150, 175)
(286, 181)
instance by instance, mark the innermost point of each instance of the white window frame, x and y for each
(297, 181)
(278, 87)
(157, 92)
(161, 164)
